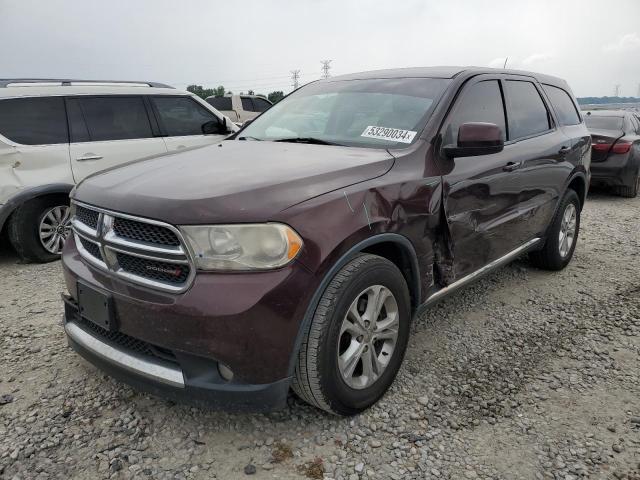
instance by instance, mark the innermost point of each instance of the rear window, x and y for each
(601, 122)
(563, 105)
(220, 103)
(526, 111)
(34, 121)
(116, 118)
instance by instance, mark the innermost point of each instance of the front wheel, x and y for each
(562, 235)
(355, 344)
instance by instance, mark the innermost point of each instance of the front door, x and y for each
(480, 193)
(108, 131)
(184, 122)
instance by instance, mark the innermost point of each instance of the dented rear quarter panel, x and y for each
(25, 166)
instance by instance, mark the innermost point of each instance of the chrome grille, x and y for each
(159, 271)
(144, 232)
(88, 217)
(144, 251)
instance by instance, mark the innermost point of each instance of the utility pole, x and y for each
(295, 79)
(326, 66)
(617, 90)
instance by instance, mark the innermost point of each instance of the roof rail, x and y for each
(66, 82)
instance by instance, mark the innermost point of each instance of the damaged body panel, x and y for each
(366, 196)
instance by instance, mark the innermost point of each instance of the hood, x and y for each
(234, 181)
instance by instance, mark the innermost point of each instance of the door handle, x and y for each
(89, 156)
(564, 151)
(511, 166)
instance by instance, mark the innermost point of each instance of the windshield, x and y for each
(377, 113)
(600, 122)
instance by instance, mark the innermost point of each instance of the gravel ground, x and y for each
(525, 375)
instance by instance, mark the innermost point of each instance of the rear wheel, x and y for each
(562, 235)
(357, 339)
(38, 229)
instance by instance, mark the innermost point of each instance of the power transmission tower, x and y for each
(326, 66)
(295, 78)
(617, 90)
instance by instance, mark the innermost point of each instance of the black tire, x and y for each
(549, 257)
(628, 191)
(23, 225)
(317, 378)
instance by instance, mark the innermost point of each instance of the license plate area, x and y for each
(96, 307)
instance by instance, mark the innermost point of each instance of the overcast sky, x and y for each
(254, 44)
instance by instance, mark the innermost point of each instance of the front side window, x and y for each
(481, 102)
(247, 104)
(526, 111)
(261, 105)
(34, 121)
(116, 118)
(374, 113)
(563, 105)
(182, 116)
(220, 103)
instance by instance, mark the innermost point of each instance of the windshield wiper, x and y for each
(249, 138)
(313, 140)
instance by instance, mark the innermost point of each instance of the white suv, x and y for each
(53, 133)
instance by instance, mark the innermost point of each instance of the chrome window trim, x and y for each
(110, 243)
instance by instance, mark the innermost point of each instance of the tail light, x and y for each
(621, 147)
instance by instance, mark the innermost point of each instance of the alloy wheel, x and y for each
(567, 233)
(368, 337)
(54, 228)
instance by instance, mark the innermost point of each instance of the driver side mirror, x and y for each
(476, 138)
(215, 127)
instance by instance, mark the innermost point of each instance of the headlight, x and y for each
(242, 247)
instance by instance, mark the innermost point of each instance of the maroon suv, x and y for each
(295, 254)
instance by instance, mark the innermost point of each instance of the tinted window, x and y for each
(182, 115)
(600, 122)
(78, 127)
(481, 102)
(563, 105)
(116, 118)
(260, 104)
(525, 110)
(34, 121)
(220, 103)
(247, 104)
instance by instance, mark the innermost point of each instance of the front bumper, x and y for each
(172, 344)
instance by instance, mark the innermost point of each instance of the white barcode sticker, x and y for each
(393, 134)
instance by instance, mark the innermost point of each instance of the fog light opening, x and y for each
(225, 372)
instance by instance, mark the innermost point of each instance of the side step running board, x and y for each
(458, 284)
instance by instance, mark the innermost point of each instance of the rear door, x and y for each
(183, 122)
(544, 152)
(107, 131)
(34, 144)
(481, 193)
